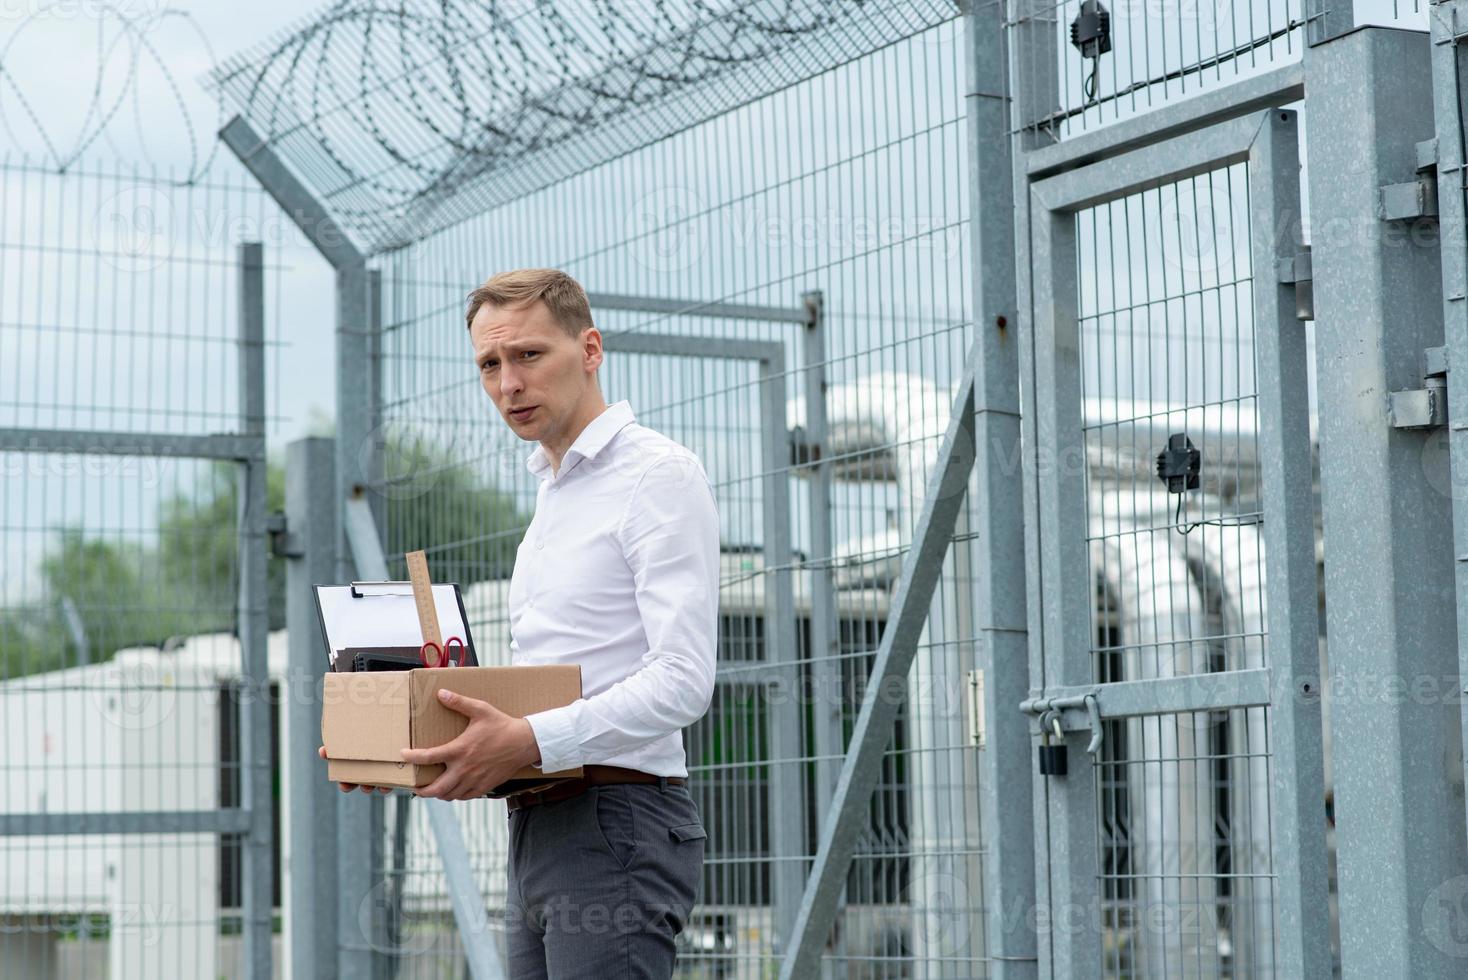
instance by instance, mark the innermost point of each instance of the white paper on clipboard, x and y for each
(383, 614)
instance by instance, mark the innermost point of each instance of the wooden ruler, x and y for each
(423, 598)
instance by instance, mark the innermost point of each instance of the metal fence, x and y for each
(137, 817)
(822, 316)
(864, 301)
(1000, 355)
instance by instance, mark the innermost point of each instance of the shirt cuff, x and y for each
(555, 733)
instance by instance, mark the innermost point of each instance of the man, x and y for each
(618, 572)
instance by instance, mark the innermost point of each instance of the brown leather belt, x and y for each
(596, 775)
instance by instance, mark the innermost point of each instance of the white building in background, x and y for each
(137, 734)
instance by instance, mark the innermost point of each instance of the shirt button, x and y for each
(539, 545)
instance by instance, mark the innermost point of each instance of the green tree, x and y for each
(440, 505)
(130, 595)
(106, 582)
(31, 641)
(197, 553)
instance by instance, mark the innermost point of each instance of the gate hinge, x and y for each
(282, 543)
(1299, 272)
(1425, 407)
(1415, 198)
(1410, 200)
(977, 729)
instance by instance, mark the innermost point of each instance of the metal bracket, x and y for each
(1425, 407)
(1410, 200)
(1427, 155)
(1299, 271)
(1416, 198)
(977, 723)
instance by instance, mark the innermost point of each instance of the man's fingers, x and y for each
(464, 705)
(442, 787)
(433, 755)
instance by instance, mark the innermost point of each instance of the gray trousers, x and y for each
(600, 885)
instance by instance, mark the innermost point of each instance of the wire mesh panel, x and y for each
(1406, 14)
(1167, 349)
(131, 682)
(1186, 875)
(1142, 56)
(835, 245)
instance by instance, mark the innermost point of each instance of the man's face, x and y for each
(535, 371)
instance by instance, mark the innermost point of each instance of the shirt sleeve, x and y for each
(670, 539)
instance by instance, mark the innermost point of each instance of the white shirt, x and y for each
(619, 572)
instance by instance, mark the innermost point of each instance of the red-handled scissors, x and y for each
(441, 654)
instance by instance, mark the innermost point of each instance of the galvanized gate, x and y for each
(1176, 654)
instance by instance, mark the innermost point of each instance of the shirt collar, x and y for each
(592, 440)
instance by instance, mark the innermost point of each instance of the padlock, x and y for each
(1053, 758)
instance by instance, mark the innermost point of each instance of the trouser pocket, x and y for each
(616, 822)
(687, 832)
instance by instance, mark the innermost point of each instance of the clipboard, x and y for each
(380, 618)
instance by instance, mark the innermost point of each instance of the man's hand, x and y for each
(348, 787)
(492, 749)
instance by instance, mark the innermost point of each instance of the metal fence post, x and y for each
(824, 650)
(1450, 88)
(1389, 568)
(311, 528)
(782, 689)
(361, 903)
(1287, 492)
(825, 646)
(366, 350)
(254, 623)
(1033, 73)
(1006, 815)
(371, 453)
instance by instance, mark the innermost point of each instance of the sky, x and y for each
(108, 313)
(132, 95)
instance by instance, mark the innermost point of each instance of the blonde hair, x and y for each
(561, 294)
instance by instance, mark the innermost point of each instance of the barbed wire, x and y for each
(123, 47)
(393, 111)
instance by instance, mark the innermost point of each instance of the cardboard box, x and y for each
(367, 719)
